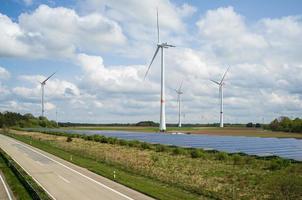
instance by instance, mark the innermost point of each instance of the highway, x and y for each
(4, 190)
(64, 180)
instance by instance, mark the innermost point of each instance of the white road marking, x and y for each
(79, 173)
(64, 179)
(6, 189)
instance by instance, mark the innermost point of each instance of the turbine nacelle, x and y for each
(165, 45)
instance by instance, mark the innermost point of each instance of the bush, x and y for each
(237, 160)
(122, 142)
(221, 156)
(69, 139)
(249, 125)
(160, 148)
(196, 153)
(278, 164)
(133, 143)
(178, 151)
(112, 140)
(145, 145)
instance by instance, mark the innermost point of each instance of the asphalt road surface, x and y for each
(4, 189)
(64, 180)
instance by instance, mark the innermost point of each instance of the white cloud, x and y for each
(186, 10)
(141, 12)
(60, 31)
(114, 79)
(227, 34)
(4, 74)
(10, 34)
(49, 106)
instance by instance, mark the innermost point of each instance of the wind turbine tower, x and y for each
(43, 83)
(179, 93)
(220, 85)
(161, 46)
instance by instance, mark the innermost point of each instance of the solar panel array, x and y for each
(286, 147)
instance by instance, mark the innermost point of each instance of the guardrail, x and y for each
(34, 190)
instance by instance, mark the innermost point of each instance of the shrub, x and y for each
(69, 139)
(248, 160)
(221, 156)
(133, 143)
(237, 160)
(89, 137)
(112, 140)
(278, 164)
(196, 153)
(122, 142)
(160, 148)
(103, 140)
(178, 151)
(145, 145)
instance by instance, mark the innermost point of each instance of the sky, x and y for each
(101, 49)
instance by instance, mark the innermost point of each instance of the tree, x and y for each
(249, 125)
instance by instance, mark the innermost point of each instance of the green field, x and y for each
(230, 131)
(177, 173)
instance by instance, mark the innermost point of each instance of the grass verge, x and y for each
(15, 185)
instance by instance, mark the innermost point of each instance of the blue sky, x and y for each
(100, 50)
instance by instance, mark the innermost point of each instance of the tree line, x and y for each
(12, 119)
(286, 124)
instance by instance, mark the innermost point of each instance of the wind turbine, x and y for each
(220, 84)
(43, 83)
(179, 93)
(161, 46)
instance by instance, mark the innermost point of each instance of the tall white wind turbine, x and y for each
(43, 83)
(179, 93)
(221, 84)
(161, 46)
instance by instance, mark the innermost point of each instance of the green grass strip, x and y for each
(15, 185)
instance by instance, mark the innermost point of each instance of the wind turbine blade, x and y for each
(224, 75)
(157, 25)
(170, 45)
(49, 77)
(152, 61)
(215, 82)
(180, 85)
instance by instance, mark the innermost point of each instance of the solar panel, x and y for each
(284, 147)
